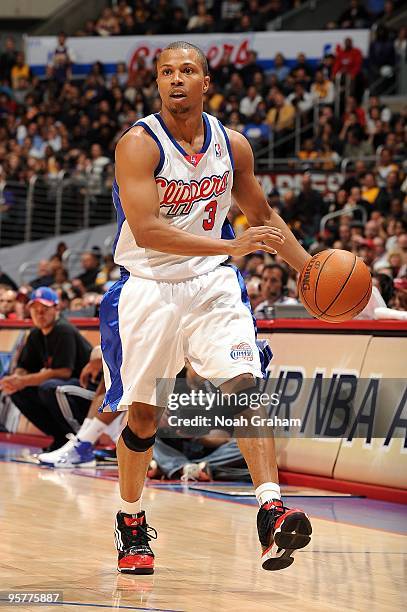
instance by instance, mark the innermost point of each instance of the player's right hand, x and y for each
(259, 238)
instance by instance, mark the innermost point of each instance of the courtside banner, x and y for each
(114, 49)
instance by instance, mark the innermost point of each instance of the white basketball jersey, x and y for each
(195, 196)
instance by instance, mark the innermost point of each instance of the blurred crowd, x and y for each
(140, 17)
(146, 17)
(62, 127)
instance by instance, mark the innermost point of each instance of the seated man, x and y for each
(53, 356)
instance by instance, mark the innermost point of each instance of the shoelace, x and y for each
(142, 536)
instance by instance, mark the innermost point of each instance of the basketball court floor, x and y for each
(57, 535)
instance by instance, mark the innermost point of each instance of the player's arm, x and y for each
(250, 198)
(137, 156)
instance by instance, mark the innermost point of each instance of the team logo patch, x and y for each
(242, 351)
(218, 150)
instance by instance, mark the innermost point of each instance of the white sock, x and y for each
(267, 492)
(90, 431)
(130, 507)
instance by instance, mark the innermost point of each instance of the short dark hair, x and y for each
(277, 266)
(180, 44)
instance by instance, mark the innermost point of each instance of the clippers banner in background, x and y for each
(114, 49)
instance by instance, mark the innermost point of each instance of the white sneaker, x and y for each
(49, 457)
(74, 453)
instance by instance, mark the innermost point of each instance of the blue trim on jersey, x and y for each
(227, 232)
(265, 352)
(207, 139)
(121, 217)
(111, 342)
(158, 143)
(232, 161)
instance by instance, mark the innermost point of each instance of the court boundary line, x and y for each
(94, 605)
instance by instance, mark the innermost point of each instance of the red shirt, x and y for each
(348, 61)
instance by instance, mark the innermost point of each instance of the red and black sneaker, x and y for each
(132, 536)
(281, 532)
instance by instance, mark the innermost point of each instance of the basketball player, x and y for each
(176, 173)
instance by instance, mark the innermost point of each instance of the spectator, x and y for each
(381, 59)
(230, 12)
(197, 21)
(303, 68)
(179, 23)
(280, 69)
(8, 304)
(53, 355)
(250, 68)
(7, 281)
(300, 98)
(273, 286)
(253, 291)
(90, 266)
(222, 73)
(108, 23)
(400, 44)
(62, 60)
(348, 60)
(281, 116)
(370, 190)
(45, 276)
(249, 103)
(322, 90)
(386, 165)
(19, 71)
(310, 206)
(355, 146)
(388, 193)
(355, 16)
(8, 59)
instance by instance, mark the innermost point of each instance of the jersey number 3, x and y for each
(209, 222)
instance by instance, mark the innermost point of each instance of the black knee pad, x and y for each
(134, 443)
(240, 401)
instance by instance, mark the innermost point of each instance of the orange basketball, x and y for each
(335, 286)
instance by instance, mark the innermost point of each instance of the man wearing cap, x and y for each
(52, 357)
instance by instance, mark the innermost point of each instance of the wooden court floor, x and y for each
(57, 534)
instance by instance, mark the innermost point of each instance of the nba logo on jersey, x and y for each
(218, 150)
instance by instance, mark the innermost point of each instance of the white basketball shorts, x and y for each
(150, 327)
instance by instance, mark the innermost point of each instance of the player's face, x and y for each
(181, 80)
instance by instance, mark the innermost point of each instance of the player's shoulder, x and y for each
(138, 142)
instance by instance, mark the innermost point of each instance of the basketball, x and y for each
(335, 286)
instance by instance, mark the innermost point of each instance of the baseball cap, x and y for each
(44, 295)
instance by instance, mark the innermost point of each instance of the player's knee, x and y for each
(142, 421)
(239, 383)
(134, 442)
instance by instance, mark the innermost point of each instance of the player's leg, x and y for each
(222, 347)
(134, 453)
(281, 530)
(142, 353)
